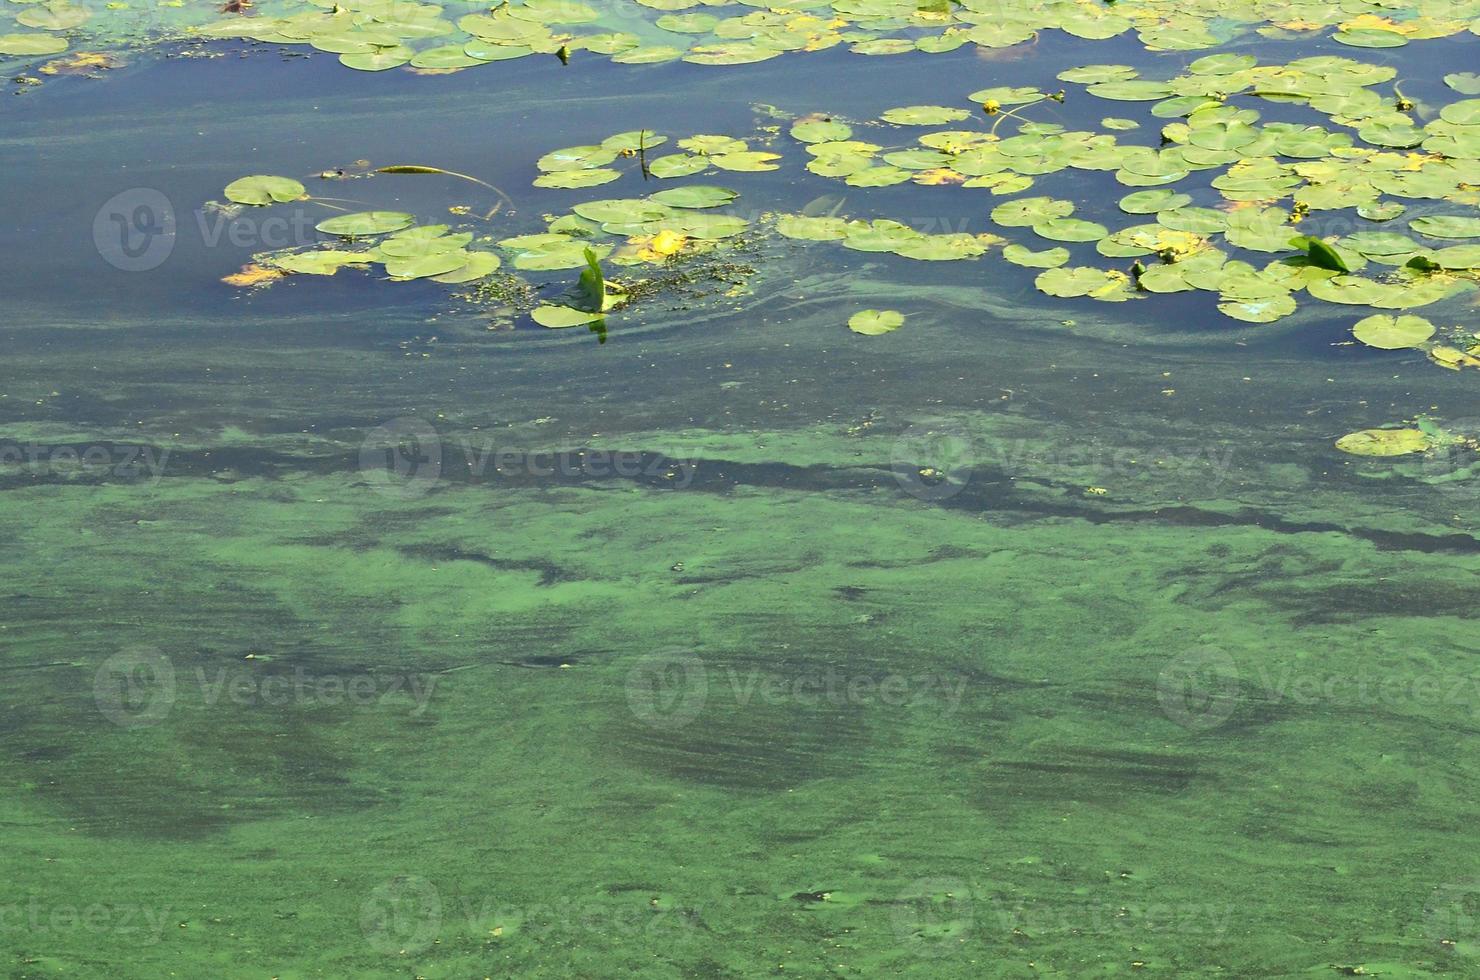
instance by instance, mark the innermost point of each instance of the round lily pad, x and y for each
(678, 165)
(872, 323)
(924, 115)
(1446, 226)
(378, 58)
(366, 223)
(1393, 333)
(1030, 211)
(1152, 201)
(1135, 90)
(1381, 210)
(1047, 259)
(478, 265)
(577, 179)
(821, 229)
(1466, 113)
(323, 262)
(695, 196)
(746, 161)
(1070, 230)
(31, 44)
(820, 130)
(558, 317)
(1464, 82)
(1457, 257)
(1384, 442)
(261, 190)
(422, 266)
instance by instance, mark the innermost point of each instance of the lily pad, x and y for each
(559, 317)
(366, 223)
(1031, 211)
(1265, 309)
(31, 44)
(924, 115)
(1152, 201)
(1135, 90)
(1446, 226)
(324, 262)
(622, 211)
(820, 130)
(577, 179)
(1393, 333)
(1072, 281)
(1070, 230)
(872, 323)
(678, 165)
(1382, 210)
(1047, 259)
(1384, 442)
(695, 196)
(478, 265)
(378, 58)
(261, 190)
(1465, 82)
(747, 161)
(1457, 257)
(423, 266)
(822, 229)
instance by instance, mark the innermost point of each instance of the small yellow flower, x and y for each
(666, 243)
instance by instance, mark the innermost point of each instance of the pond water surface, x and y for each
(356, 627)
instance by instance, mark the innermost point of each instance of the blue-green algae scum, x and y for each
(704, 489)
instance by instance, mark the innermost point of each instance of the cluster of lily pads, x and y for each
(575, 167)
(1403, 178)
(374, 35)
(1259, 168)
(624, 231)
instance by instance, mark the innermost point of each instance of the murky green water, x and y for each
(366, 628)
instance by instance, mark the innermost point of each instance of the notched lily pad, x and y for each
(262, 190)
(1384, 442)
(366, 223)
(1393, 333)
(872, 323)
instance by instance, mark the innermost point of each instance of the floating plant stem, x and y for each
(414, 169)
